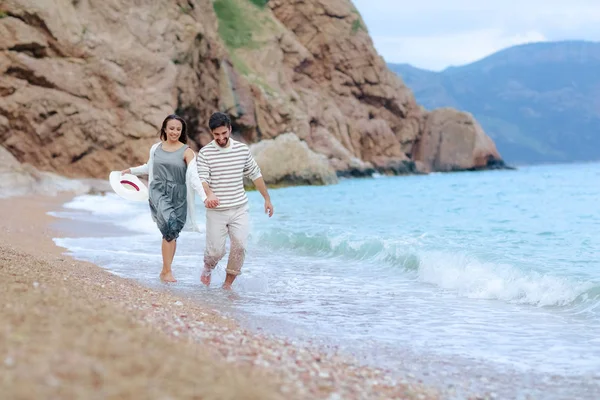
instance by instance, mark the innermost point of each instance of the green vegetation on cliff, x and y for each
(244, 26)
(240, 21)
(260, 3)
(235, 28)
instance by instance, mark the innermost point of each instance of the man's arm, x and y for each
(252, 171)
(251, 168)
(203, 168)
(211, 200)
(207, 189)
(262, 188)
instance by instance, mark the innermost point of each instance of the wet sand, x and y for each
(70, 329)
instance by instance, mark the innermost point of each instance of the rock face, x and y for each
(85, 85)
(288, 160)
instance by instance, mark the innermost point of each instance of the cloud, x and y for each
(438, 52)
(436, 33)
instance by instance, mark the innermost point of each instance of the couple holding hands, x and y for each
(217, 175)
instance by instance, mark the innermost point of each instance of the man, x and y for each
(222, 165)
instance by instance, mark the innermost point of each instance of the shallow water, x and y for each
(493, 271)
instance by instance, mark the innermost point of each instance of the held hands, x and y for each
(211, 201)
(268, 208)
(126, 171)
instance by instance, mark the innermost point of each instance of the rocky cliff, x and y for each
(85, 84)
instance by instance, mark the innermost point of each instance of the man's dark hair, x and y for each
(219, 119)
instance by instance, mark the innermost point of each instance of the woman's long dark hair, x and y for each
(163, 132)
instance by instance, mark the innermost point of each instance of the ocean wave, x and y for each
(463, 274)
(473, 278)
(343, 247)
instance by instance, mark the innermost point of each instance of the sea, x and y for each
(472, 281)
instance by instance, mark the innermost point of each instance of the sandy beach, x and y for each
(70, 329)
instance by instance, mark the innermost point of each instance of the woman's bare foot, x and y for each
(167, 277)
(205, 277)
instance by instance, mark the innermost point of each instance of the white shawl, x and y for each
(192, 181)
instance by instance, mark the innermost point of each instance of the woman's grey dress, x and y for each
(167, 192)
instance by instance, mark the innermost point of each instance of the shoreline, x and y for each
(111, 334)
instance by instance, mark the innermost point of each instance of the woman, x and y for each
(172, 179)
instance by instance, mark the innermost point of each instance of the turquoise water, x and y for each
(499, 269)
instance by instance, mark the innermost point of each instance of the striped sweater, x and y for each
(223, 169)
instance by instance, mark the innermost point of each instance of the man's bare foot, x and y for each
(229, 278)
(205, 277)
(167, 277)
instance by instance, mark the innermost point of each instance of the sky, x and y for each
(435, 34)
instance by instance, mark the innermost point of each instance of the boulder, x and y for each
(24, 180)
(454, 141)
(286, 160)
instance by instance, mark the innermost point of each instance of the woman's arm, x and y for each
(188, 156)
(141, 169)
(192, 173)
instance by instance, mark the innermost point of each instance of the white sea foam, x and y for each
(109, 204)
(472, 278)
(111, 209)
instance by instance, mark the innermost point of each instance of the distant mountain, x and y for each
(539, 102)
